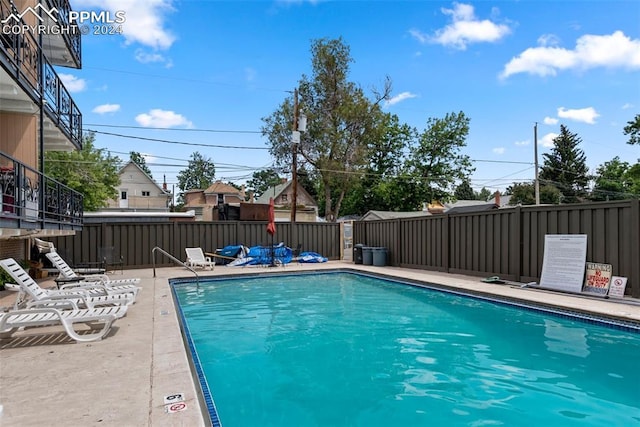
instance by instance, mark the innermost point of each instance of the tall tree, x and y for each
(199, 174)
(262, 180)
(340, 121)
(483, 194)
(436, 161)
(139, 160)
(633, 130)
(566, 167)
(90, 171)
(464, 191)
(376, 189)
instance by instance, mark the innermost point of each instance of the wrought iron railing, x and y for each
(22, 53)
(22, 197)
(71, 38)
(61, 106)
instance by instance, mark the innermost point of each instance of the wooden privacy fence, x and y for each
(135, 240)
(510, 242)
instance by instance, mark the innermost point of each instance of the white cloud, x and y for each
(146, 57)
(250, 74)
(584, 115)
(548, 40)
(550, 121)
(419, 35)
(106, 108)
(72, 83)
(158, 118)
(522, 143)
(498, 150)
(399, 98)
(145, 19)
(609, 51)
(465, 29)
(547, 140)
(627, 106)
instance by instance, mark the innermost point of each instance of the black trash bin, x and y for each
(357, 253)
(380, 257)
(367, 255)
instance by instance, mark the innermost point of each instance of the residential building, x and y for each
(211, 204)
(138, 192)
(306, 206)
(37, 114)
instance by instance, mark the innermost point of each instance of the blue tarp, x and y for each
(311, 257)
(265, 255)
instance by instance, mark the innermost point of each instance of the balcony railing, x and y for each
(22, 56)
(71, 38)
(34, 200)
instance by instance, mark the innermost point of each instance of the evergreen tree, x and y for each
(565, 167)
(464, 191)
(483, 194)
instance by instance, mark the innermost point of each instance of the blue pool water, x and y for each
(343, 349)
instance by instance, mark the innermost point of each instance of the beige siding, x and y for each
(18, 137)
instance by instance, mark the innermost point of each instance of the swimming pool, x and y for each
(346, 349)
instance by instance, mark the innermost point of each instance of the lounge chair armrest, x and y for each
(57, 303)
(96, 277)
(83, 286)
(69, 293)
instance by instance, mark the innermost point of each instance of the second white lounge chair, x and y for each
(115, 285)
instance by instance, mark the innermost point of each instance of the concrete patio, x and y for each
(48, 379)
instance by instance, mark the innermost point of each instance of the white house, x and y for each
(139, 192)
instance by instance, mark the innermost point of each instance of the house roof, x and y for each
(375, 215)
(477, 207)
(220, 187)
(131, 162)
(277, 190)
(274, 192)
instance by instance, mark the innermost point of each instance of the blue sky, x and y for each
(208, 71)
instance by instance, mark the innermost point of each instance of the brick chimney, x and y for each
(497, 197)
(164, 183)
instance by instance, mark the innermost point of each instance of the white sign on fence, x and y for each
(563, 262)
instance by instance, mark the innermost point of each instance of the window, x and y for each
(284, 197)
(123, 195)
(146, 194)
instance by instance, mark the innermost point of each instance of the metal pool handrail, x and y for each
(153, 257)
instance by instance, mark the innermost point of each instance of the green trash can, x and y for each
(379, 256)
(367, 255)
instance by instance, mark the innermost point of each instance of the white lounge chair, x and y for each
(196, 258)
(47, 316)
(88, 297)
(115, 285)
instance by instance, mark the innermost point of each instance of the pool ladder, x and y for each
(176, 260)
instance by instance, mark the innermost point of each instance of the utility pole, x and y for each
(295, 139)
(535, 150)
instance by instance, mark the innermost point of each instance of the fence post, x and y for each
(634, 279)
(518, 243)
(446, 238)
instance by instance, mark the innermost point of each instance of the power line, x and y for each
(170, 129)
(193, 144)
